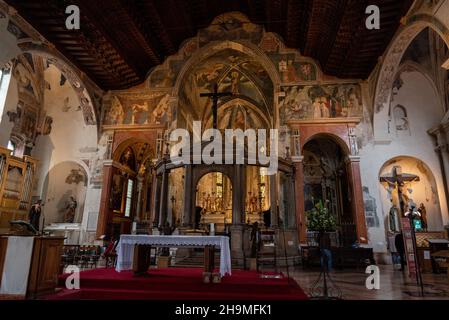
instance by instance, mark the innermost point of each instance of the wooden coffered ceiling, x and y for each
(121, 40)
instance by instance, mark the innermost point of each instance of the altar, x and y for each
(126, 253)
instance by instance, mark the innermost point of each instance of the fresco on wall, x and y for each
(129, 110)
(234, 72)
(320, 102)
(371, 218)
(239, 114)
(232, 26)
(291, 70)
(165, 77)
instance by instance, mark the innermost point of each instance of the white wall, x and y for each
(57, 192)
(70, 139)
(420, 99)
(8, 43)
(10, 104)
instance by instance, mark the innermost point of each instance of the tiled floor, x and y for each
(394, 284)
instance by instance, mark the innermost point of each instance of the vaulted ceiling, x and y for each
(121, 40)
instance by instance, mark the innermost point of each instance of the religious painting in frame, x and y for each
(117, 193)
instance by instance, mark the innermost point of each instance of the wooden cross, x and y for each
(215, 95)
(398, 180)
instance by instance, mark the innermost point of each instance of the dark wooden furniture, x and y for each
(45, 265)
(342, 257)
(142, 258)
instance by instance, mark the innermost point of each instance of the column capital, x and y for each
(297, 158)
(352, 159)
(108, 163)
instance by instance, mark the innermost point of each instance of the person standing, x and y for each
(35, 214)
(400, 247)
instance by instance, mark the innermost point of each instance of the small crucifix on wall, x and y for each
(215, 95)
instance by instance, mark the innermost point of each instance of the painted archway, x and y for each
(391, 64)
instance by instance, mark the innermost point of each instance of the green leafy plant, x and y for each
(320, 219)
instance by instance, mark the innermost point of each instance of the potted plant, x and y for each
(320, 220)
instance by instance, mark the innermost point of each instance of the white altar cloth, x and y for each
(125, 248)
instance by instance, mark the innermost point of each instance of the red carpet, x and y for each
(177, 284)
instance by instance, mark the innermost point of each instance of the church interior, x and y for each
(87, 181)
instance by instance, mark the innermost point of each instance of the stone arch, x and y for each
(413, 66)
(391, 64)
(331, 136)
(244, 48)
(62, 180)
(214, 47)
(424, 191)
(239, 100)
(77, 83)
(139, 156)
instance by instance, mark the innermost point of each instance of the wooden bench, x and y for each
(442, 264)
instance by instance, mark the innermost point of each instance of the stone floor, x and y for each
(394, 284)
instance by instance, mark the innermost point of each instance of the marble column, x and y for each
(274, 201)
(163, 205)
(189, 194)
(139, 198)
(299, 199)
(358, 207)
(156, 199)
(238, 195)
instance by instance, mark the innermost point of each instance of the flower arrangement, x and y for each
(320, 219)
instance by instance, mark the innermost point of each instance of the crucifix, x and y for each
(398, 180)
(215, 95)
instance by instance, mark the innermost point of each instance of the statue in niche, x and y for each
(393, 218)
(70, 210)
(219, 203)
(212, 202)
(207, 204)
(423, 211)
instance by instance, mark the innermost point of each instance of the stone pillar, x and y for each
(301, 224)
(441, 137)
(358, 208)
(139, 197)
(274, 201)
(238, 243)
(163, 205)
(103, 215)
(238, 195)
(156, 200)
(189, 191)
